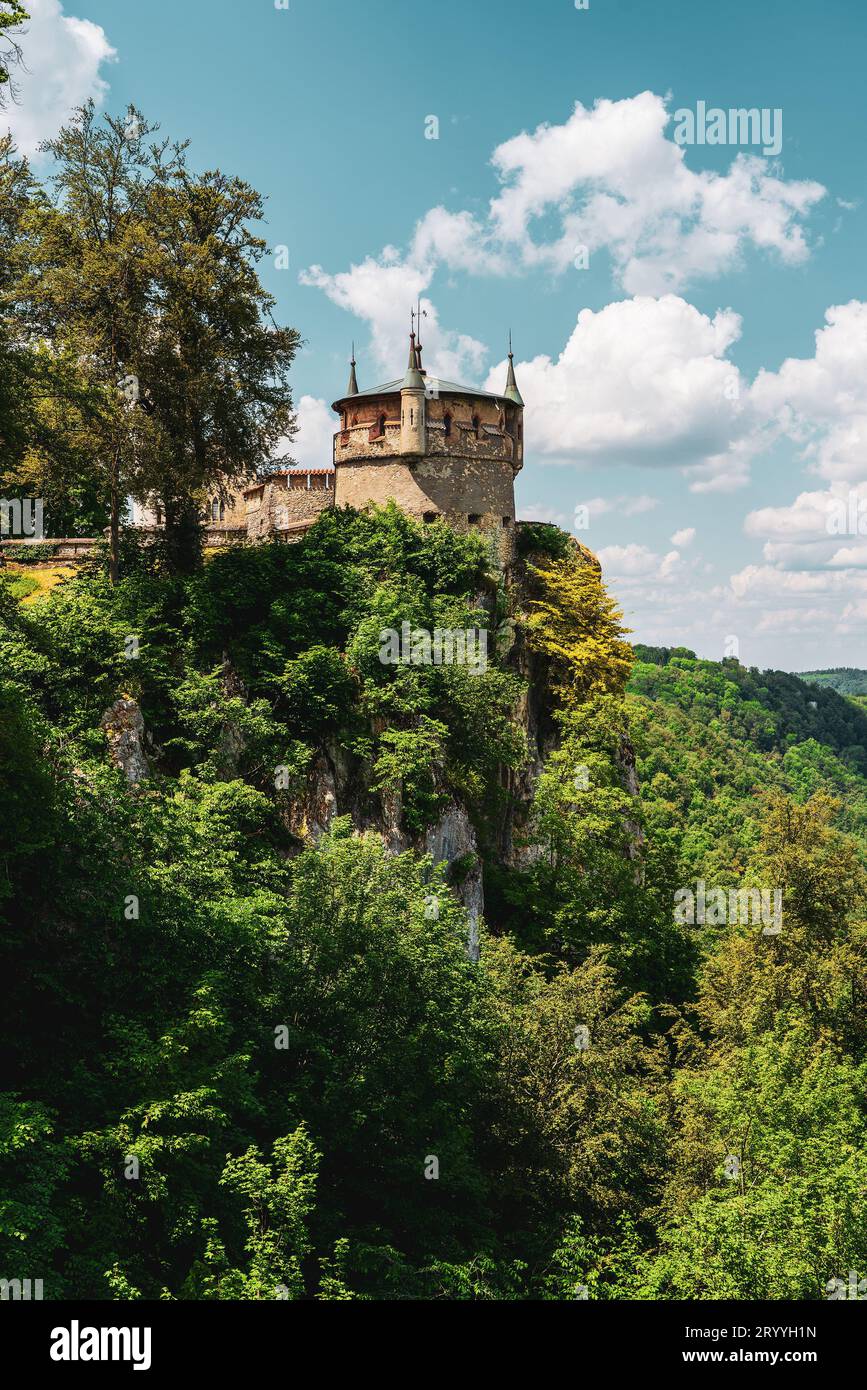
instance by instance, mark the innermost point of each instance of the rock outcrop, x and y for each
(125, 734)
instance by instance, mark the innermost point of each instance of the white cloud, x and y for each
(786, 621)
(537, 511)
(616, 181)
(766, 582)
(382, 290)
(684, 537)
(611, 179)
(642, 381)
(623, 504)
(805, 520)
(63, 59)
(820, 402)
(312, 446)
(627, 564)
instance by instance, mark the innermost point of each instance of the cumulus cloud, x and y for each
(381, 290)
(609, 178)
(627, 564)
(617, 181)
(818, 542)
(311, 446)
(642, 381)
(684, 537)
(623, 504)
(820, 402)
(538, 511)
(63, 61)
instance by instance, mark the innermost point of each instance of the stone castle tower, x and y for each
(434, 447)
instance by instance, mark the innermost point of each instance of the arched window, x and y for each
(476, 425)
(382, 424)
(215, 509)
(447, 422)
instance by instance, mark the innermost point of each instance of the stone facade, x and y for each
(436, 448)
(286, 504)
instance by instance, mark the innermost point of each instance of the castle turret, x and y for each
(413, 430)
(436, 448)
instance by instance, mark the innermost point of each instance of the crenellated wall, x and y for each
(465, 474)
(287, 502)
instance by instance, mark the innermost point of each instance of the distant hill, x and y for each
(710, 736)
(846, 680)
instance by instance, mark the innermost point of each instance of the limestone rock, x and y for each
(125, 733)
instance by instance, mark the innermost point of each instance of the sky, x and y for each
(689, 316)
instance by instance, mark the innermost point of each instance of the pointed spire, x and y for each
(413, 378)
(352, 388)
(418, 341)
(511, 392)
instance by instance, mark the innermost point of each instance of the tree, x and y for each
(212, 364)
(87, 291)
(576, 624)
(145, 273)
(16, 191)
(12, 16)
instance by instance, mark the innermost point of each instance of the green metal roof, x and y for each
(432, 383)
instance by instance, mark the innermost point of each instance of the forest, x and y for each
(246, 1052)
(234, 1058)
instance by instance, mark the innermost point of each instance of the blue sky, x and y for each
(691, 406)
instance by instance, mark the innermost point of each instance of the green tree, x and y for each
(12, 16)
(88, 292)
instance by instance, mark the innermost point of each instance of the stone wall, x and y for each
(466, 474)
(285, 503)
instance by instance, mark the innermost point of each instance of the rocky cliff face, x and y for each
(338, 783)
(125, 735)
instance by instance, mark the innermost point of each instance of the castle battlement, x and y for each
(435, 447)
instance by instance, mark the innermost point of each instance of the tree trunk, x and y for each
(114, 521)
(184, 535)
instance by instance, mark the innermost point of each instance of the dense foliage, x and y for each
(846, 680)
(240, 1063)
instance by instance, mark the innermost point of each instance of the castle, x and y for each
(434, 447)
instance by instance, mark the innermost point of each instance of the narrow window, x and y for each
(447, 421)
(476, 423)
(474, 518)
(507, 521)
(382, 424)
